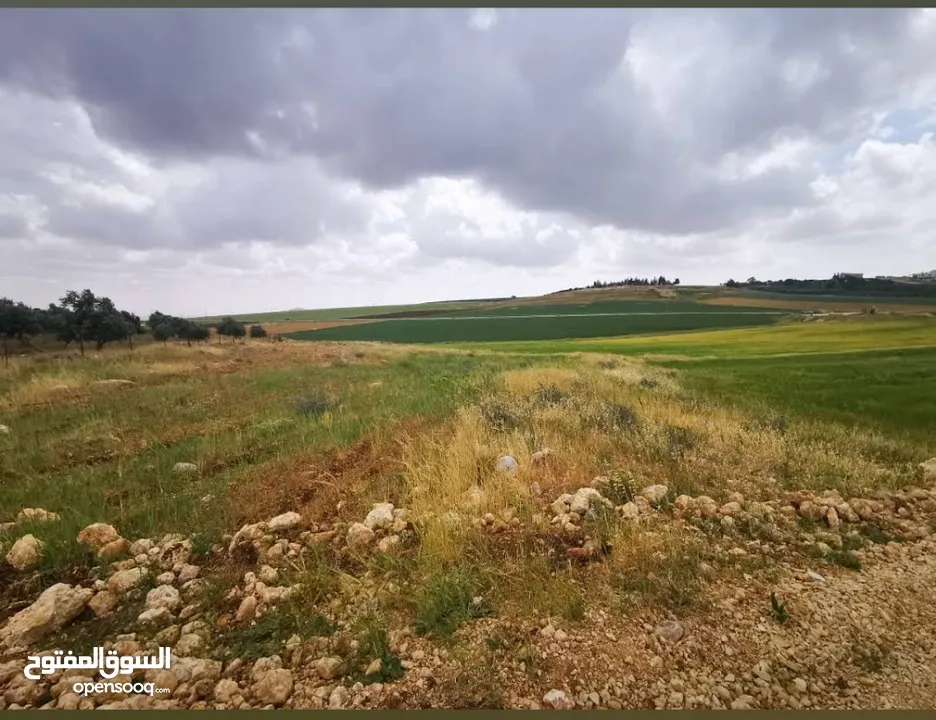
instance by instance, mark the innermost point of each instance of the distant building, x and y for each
(857, 276)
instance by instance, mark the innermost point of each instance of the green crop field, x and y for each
(534, 327)
(857, 334)
(616, 307)
(888, 390)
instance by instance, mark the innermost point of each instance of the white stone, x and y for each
(380, 516)
(654, 494)
(359, 535)
(164, 596)
(185, 468)
(506, 463)
(558, 700)
(157, 616)
(285, 522)
(188, 572)
(582, 500)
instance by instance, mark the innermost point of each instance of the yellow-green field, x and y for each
(793, 337)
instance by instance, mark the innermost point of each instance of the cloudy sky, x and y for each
(245, 160)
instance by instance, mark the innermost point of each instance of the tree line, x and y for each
(85, 318)
(660, 281)
(840, 284)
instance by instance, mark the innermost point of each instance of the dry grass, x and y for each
(830, 304)
(665, 436)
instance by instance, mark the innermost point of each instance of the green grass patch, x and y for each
(266, 636)
(891, 391)
(374, 644)
(446, 599)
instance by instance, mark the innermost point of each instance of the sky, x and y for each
(247, 160)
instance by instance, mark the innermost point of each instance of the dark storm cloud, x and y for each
(542, 107)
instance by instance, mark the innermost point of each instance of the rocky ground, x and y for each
(852, 624)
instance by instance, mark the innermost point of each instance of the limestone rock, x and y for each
(98, 535)
(338, 698)
(141, 546)
(124, 580)
(114, 549)
(103, 603)
(26, 552)
(328, 668)
(188, 572)
(929, 470)
(284, 523)
(707, 507)
(380, 517)
(388, 543)
(810, 510)
(225, 690)
(583, 499)
(360, 536)
(53, 609)
(670, 631)
(156, 617)
(274, 687)
(731, 509)
(190, 644)
(164, 596)
(654, 494)
(506, 463)
(629, 511)
(558, 700)
(268, 575)
(36, 514)
(185, 468)
(247, 609)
